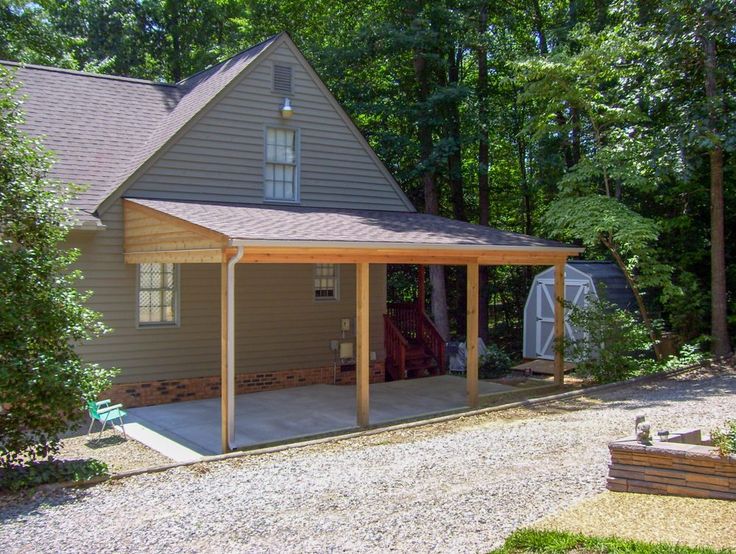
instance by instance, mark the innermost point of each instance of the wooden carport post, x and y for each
(472, 335)
(362, 344)
(559, 323)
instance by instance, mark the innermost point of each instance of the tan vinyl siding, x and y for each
(278, 324)
(220, 158)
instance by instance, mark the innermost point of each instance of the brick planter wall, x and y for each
(148, 393)
(671, 468)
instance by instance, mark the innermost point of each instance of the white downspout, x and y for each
(231, 344)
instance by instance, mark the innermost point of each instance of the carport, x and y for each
(161, 231)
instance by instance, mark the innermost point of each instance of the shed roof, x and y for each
(251, 224)
(609, 281)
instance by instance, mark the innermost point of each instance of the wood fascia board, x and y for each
(402, 247)
(105, 204)
(444, 256)
(348, 121)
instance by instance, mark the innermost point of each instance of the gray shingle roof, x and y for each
(103, 128)
(297, 224)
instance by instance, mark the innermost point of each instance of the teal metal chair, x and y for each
(102, 411)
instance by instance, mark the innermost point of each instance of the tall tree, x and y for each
(707, 33)
(481, 93)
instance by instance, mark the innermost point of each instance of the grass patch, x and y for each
(532, 541)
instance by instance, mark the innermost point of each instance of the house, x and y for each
(236, 228)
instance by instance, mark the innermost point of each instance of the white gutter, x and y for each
(402, 246)
(231, 344)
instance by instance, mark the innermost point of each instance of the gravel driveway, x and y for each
(453, 487)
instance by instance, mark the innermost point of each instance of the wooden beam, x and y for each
(188, 255)
(472, 335)
(369, 256)
(362, 344)
(446, 256)
(521, 259)
(224, 391)
(192, 256)
(559, 323)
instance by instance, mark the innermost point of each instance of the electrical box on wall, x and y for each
(345, 324)
(346, 350)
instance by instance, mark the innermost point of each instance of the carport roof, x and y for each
(243, 224)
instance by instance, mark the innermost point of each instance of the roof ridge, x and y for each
(210, 68)
(86, 74)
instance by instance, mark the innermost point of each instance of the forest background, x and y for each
(607, 123)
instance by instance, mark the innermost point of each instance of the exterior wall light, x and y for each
(286, 110)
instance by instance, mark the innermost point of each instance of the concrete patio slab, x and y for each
(185, 431)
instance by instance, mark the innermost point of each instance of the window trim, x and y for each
(177, 302)
(297, 165)
(335, 298)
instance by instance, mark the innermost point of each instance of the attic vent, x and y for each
(282, 79)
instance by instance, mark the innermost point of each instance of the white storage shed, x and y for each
(582, 278)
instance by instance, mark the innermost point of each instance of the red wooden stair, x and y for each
(414, 346)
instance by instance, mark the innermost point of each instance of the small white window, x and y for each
(326, 281)
(158, 291)
(280, 180)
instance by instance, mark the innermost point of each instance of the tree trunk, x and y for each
(527, 197)
(637, 295)
(483, 164)
(560, 118)
(173, 8)
(431, 196)
(538, 22)
(719, 323)
(454, 159)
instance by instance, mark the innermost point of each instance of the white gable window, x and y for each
(158, 292)
(282, 157)
(326, 282)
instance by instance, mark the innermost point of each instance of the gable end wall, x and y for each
(221, 157)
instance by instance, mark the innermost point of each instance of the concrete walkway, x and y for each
(185, 431)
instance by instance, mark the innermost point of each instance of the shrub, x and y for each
(725, 439)
(690, 354)
(612, 342)
(494, 363)
(20, 477)
(43, 382)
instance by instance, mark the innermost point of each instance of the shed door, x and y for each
(575, 292)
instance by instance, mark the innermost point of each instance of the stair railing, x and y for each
(433, 340)
(396, 347)
(413, 323)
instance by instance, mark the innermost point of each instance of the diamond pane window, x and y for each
(157, 294)
(326, 280)
(281, 162)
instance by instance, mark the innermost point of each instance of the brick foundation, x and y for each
(148, 393)
(687, 468)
